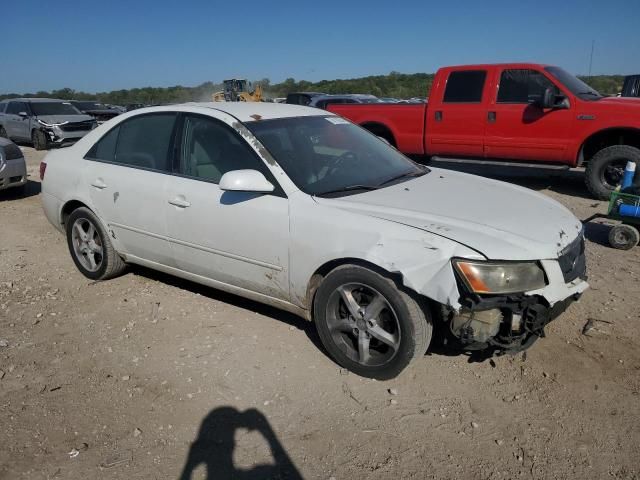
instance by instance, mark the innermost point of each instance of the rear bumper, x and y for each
(13, 173)
(52, 207)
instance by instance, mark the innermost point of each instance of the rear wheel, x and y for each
(624, 237)
(39, 140)
(90, 247)
(605, 170)
(368, 324)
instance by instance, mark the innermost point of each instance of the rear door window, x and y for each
(465, 86)
(144, 141)
(523, 86)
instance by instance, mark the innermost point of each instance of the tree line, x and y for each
(397, 85)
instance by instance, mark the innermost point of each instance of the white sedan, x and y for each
(298, 208)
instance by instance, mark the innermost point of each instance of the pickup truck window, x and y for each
(574, 84)
(523, 86)
(465, 86)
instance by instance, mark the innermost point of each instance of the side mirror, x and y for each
(549, 99)
(23, 114)
(245, 181)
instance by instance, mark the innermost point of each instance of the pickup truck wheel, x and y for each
(604, 171)
(368, 324)
(624, 237)
(39, 140)
(90, 247)
(3, 133)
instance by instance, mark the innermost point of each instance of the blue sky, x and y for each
(113, 44)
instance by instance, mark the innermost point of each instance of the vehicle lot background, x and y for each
(132, 367)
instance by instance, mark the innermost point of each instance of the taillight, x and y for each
(43, 168)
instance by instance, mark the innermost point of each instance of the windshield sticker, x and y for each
(337, 120)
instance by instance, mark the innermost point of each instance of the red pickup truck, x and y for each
(520, 113)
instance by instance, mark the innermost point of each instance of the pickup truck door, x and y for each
(521, 130)
(456, 114)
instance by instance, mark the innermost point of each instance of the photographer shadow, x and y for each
(216, 442)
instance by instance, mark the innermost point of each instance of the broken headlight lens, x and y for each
(500, 277)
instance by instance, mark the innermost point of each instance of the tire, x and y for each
(3, 133)
(624, 237)
(604, 171)
(39, 140)
(356, 344)
(92, 243)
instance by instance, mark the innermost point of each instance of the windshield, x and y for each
(574, 84)
(53, 108)
(332, 157)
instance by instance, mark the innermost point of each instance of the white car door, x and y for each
(237, 238)
(127, 173)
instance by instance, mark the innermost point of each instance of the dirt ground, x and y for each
(150, 377)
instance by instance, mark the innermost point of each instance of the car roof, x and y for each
(248, 111)
(35, 100)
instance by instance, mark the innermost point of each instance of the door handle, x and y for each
(180, 202)
(99, 184)
(491, 117)
(438, 116)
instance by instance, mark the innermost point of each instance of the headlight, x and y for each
(45, 124)
(500, 277)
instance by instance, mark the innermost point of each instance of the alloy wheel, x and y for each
(363, 324)
(87, 245)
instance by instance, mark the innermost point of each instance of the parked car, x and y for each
(298, 208)
(44, 122)
(13, 168)
(99, 111)
(301, 98)
(133, 106)
(323, 101)
(631, 86)
(521, 113)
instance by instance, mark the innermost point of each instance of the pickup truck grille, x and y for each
(77, 126)
(573, 261)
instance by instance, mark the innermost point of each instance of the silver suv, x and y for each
(44, 122)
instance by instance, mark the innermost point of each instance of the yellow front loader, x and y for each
(238, 91)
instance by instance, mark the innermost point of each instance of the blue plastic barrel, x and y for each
(630, 210)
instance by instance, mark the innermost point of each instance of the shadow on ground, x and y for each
(30, 189)
(215, 445)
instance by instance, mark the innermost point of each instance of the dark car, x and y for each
(301, 98)
(631, 87)
(99, 111)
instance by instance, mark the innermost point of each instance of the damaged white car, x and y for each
(298, 208)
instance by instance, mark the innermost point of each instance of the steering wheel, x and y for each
(337, 162)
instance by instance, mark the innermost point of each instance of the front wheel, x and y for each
(605, 170)
(368, 324)
(39, 140)
(90, 247)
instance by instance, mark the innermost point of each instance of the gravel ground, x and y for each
(151, 377)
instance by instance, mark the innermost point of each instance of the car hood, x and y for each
(499, 220)
(53, 119)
